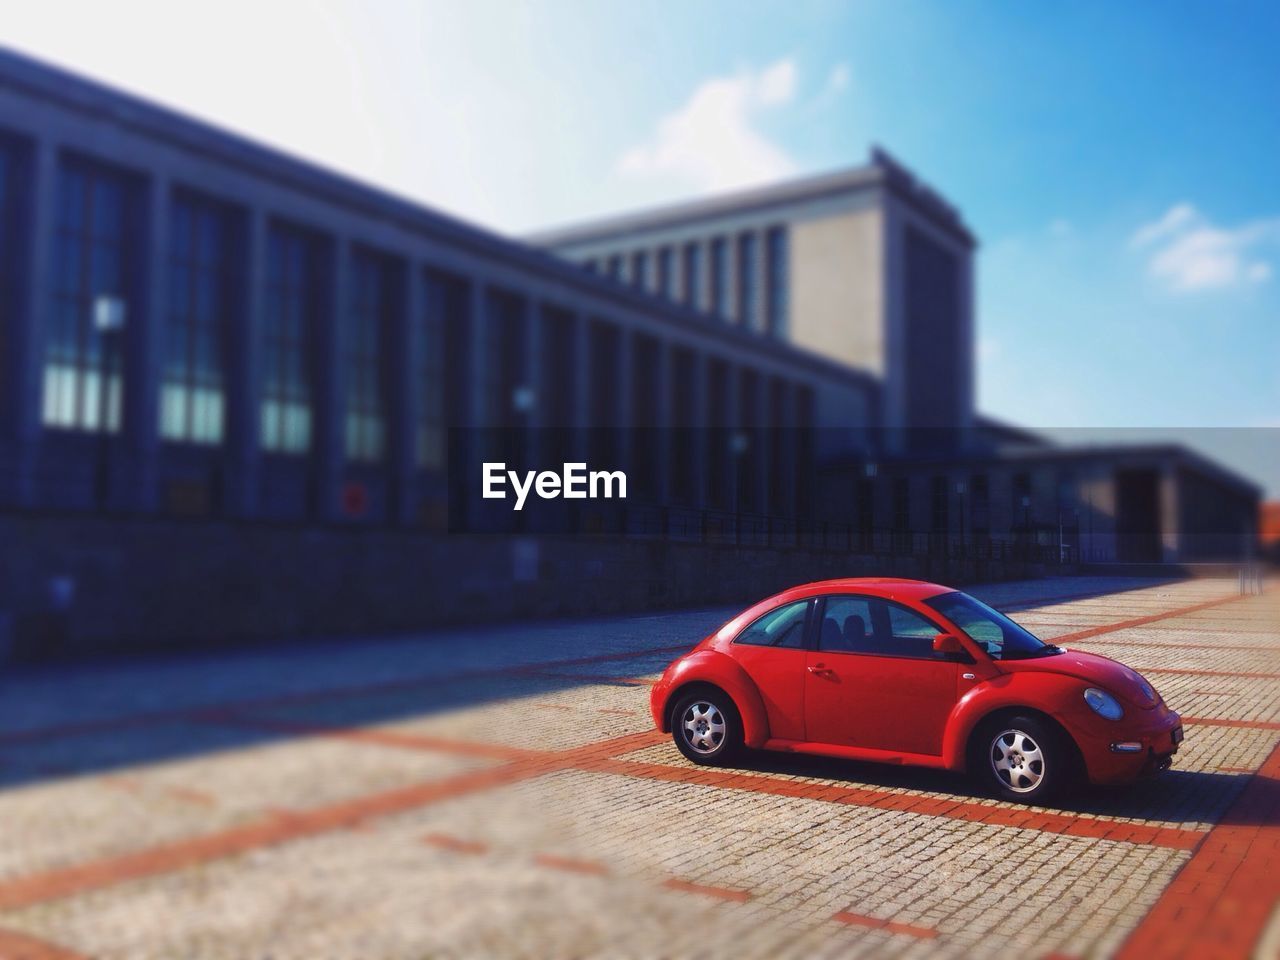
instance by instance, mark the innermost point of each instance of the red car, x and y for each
(906, 672)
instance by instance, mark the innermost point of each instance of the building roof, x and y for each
(881, 170)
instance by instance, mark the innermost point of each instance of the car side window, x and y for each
(853, 624)
(782, 627)
(846, 626)
(911, 635)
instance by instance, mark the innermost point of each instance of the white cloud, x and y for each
(777, 84)
(712, 141)
(1188, 253)
(839, 78)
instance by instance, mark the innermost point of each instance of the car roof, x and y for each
(876, 586)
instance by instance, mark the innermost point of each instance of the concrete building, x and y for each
(868, 266)
(196, 325)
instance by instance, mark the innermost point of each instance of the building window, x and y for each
(191, 389)
(84, 365)
(666, 273)
(591, 265)
(428, 368)
(292, 308)
(613, 266)
(719, 277)
(776, 280)
(747, 282)
(640, 269)
(373, 305)
(692, 274)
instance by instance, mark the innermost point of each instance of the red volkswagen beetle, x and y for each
(906, 672)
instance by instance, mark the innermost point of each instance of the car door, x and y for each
(873, 679)
(771, 651)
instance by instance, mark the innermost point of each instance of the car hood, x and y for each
(1103, 672)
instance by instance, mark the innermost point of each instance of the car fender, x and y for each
(1053, 694)
(711, 666)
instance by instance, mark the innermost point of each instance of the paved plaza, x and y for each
(500, 792)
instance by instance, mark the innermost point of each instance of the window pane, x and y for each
(783, 627)
(847, 626)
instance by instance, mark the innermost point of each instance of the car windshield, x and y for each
(997, 634)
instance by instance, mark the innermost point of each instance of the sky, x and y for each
(1117, 161)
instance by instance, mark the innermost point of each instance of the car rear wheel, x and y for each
(706, 727)
(1022, 758)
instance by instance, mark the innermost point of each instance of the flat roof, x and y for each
(881, 170)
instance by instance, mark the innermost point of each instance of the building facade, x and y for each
(867, 266)
(195, 325)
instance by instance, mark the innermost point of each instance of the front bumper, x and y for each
(1136, 746)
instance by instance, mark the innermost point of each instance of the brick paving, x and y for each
(500, 792)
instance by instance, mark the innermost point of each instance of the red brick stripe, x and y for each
(1139, 621)
(1246, 674)
(1175, 646)
(928, 806)
(570, 865)
(1219, 903)
(19, 946)
(720, 893)
(1245, 724)
(891, 926)
(443, 841)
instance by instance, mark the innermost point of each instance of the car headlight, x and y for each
(1103, 704)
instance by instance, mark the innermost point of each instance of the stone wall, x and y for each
(76, 585)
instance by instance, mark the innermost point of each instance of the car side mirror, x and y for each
(947, 643)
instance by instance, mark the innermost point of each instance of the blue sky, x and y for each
(1118, 161)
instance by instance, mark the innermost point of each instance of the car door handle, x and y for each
(818, 670)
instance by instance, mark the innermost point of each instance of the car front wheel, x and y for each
(1022, 759)
(705, 727)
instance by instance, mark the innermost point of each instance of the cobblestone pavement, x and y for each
(500, 792)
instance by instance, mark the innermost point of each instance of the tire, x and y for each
(706, 727)
(1022, 758)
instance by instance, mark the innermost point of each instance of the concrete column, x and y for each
(696, 420)
(785, 448)
(731, 279)
(464, 486)
(244, 372)
(733, 429)
(478, 412)
(625, 417)
(534, 379)
(579, 364)
(143, 344)
(763, 448)
(330, 392)
(24, 356)
(405, 342)
(662, 446)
